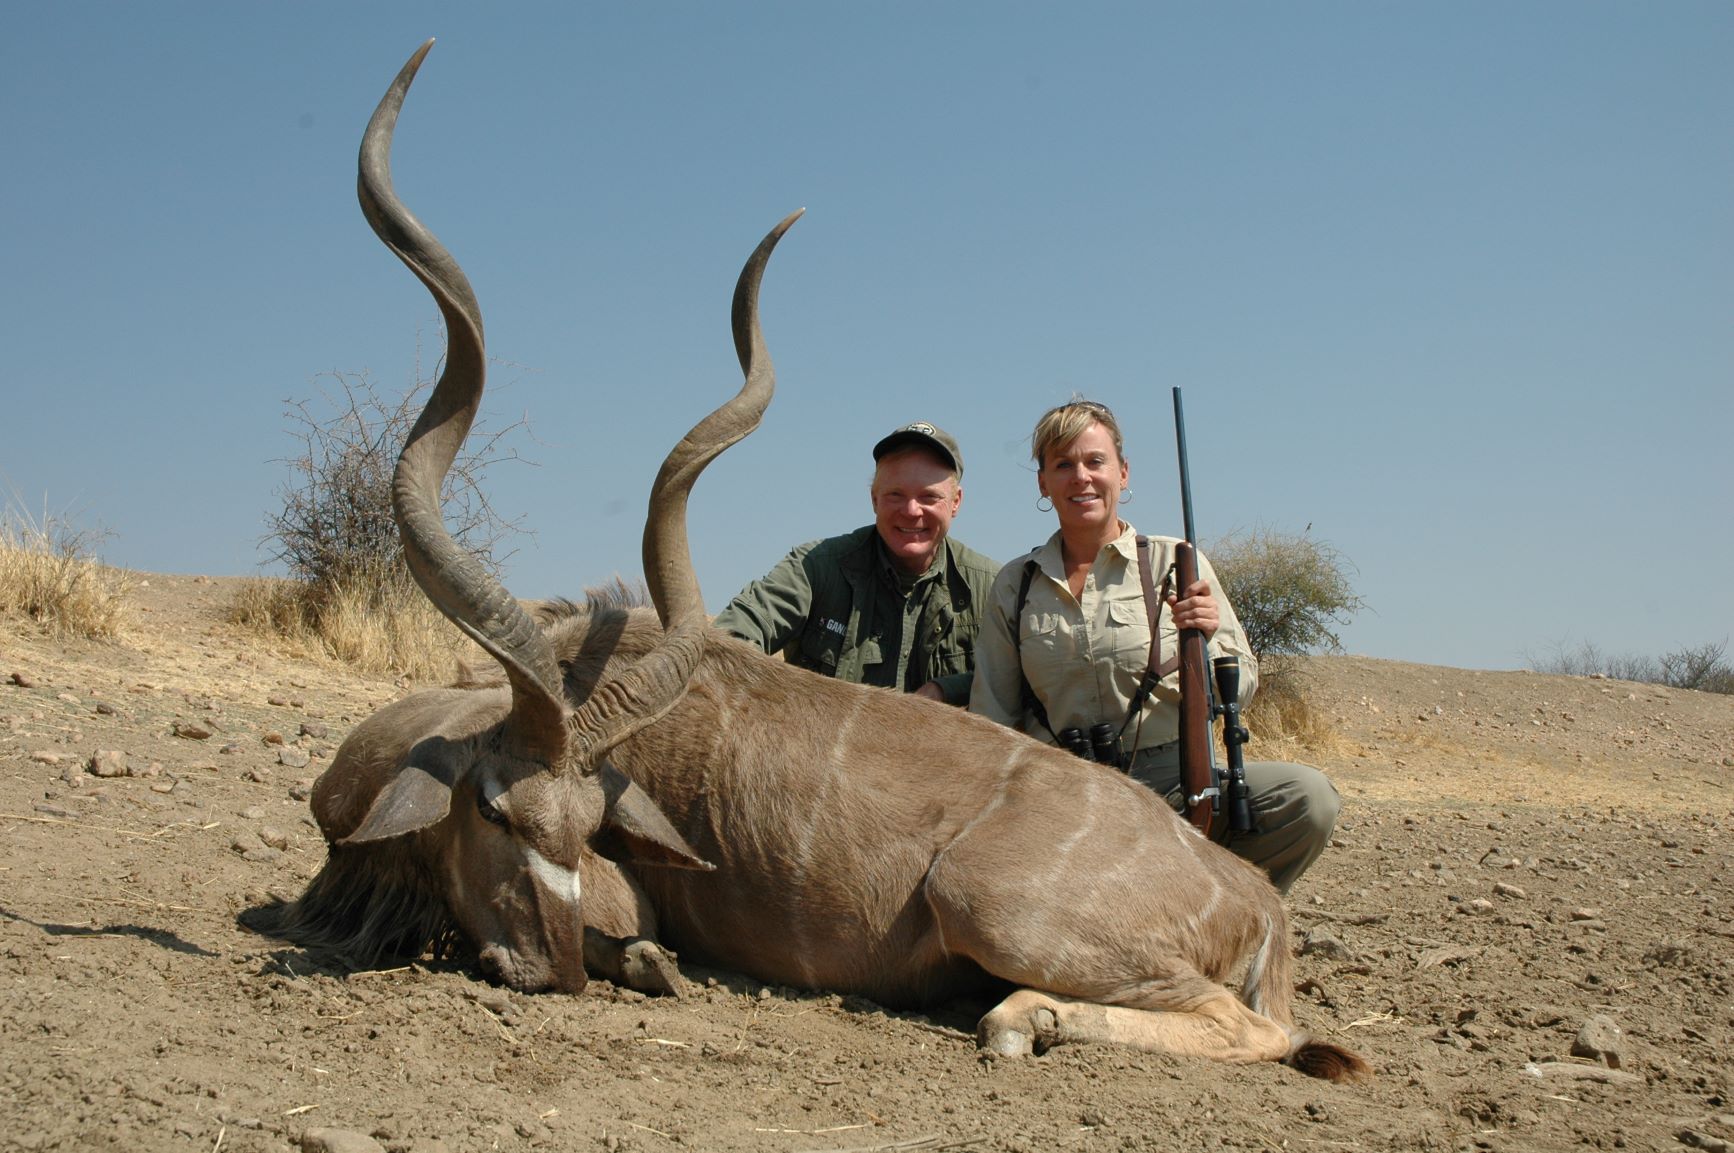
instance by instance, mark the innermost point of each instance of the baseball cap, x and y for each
(923, 435)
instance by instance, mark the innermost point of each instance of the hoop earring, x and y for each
(1039, 507)
(1125, 496)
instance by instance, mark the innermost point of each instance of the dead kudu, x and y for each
(767, 820)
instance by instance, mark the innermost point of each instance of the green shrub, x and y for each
(1290, 591)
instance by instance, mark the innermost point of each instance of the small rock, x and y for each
(192, 730)
(313, 729)
(154, 769)
(73, 776)
(23, 681)
(338, 1141)
(1501, 889)
(1586, 914)
(53, 810)
(1600, 1039)
(253, 812)
(293, 757)
(274, 838)
(69, 698)
(1326, 944)
(1693, 1139)
(300, 790)
(262, 854)
(279, 701)
(1476, 907)
(107, 763)
(246, 842)
(163, 787)
(257, 776)
(230, 747)
(273, 737)
(103, 708)
(44, 757)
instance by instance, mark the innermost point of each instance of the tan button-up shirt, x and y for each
(1084, 656)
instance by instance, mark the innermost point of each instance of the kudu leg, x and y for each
(1220, 1028)
(620, 931)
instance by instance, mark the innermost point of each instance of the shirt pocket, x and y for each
(1044, 633)
(1129, 633)
(820, 648)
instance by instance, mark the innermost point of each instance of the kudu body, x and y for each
(797, 829)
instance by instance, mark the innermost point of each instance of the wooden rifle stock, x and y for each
(1197, 768)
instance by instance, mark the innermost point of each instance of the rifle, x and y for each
(1200, 780)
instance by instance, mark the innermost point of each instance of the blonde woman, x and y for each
(1065, 640)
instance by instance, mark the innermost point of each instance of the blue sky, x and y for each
(1451, 283)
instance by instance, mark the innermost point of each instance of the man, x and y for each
(894, 603)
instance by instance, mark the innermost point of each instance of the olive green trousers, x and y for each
(1294, 809)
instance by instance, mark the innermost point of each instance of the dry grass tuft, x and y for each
(375, 624)
(49, 574)
(1282, 719)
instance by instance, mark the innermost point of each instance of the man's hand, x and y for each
(931, 691)
(1196, 610)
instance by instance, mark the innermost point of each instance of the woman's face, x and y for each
(1084, 479)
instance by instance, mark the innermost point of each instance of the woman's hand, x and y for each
(1196, 609)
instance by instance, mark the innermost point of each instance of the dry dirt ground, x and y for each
(1521, 859)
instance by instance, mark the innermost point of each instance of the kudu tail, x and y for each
(1269, 990)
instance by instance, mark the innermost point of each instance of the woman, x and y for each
(1066, 649)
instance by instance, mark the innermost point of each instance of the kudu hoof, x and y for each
(649, 968)
(1017, 1034)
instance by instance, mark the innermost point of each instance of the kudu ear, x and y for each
(634, 828)
(418, 795)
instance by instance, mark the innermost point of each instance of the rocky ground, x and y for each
(1525, 924)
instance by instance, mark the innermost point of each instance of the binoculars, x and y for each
(1101, 744)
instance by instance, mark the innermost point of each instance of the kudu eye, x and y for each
(490, 811)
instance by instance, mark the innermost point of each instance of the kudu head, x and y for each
(496, 793)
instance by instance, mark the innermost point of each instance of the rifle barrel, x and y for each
(1185, 471)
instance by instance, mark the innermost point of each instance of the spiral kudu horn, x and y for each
(457, 584)
(460, 587)
(622, 706)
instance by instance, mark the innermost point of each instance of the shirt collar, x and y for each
(1052, 561)
(893, 574)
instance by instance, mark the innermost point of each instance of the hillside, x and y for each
(1527, 865)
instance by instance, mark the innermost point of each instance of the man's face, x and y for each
(914, 498)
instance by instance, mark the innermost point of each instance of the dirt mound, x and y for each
(1524, 923)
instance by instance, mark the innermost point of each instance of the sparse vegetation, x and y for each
(1290, 592)
(1702, 667)
(49, 573)
(349, 592)
(378, 624)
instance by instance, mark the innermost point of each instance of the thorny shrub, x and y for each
(350, 591)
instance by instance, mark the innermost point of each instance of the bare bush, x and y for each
(1704, 667)
(49, 573)
(336, 522)
(350, 593)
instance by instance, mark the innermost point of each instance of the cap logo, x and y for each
(922, 427)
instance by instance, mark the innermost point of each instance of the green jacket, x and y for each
(834, 606)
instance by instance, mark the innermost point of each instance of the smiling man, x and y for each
(894, 603)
